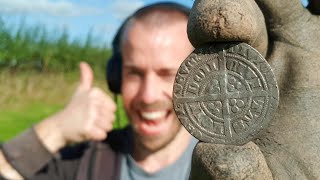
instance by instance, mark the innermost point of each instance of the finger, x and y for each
(104, 116)
(213, 21)
(289, 21)
(110, 105)
(98, 134)
(104, 125)
(104, 119)
(228, 162)
(86, 76)
(102, 99)
(281, 12)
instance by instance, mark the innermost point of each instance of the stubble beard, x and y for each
(156, 143)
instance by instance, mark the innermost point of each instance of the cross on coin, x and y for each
(225, 93)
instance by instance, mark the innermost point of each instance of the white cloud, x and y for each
(122, 8)
(55, 8)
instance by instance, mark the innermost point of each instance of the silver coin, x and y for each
(225, 93)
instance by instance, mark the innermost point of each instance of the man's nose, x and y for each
(150, 90)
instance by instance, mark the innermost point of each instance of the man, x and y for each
(153, 43)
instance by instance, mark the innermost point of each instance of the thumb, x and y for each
(86, 76)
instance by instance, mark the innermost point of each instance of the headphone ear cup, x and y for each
(113, 73)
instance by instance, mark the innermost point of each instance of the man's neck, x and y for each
(154, 161)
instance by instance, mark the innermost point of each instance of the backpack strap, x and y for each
(84, 165)
(102, 160)
(99, 162)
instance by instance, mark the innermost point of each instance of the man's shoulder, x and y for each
(74, 151)
(120, 140)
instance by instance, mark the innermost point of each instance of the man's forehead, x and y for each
(157, 18)
(139, 31)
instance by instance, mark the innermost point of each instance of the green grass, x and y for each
(13, 121)
(39, 73)
(121, 117)
(28, 97)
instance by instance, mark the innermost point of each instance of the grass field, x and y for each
(38, 73)
(28, 97)
(14, 121)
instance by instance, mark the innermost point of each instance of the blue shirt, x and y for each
(179, 170)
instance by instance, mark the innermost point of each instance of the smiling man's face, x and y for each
(151, 58)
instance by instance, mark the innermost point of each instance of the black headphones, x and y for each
(114, 65)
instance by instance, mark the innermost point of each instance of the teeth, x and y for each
(153, 115)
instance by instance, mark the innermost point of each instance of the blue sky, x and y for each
(102, 17)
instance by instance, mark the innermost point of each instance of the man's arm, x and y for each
(7, 170)
(30, 151)
(88, 116)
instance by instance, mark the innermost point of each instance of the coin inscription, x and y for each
(226, 93)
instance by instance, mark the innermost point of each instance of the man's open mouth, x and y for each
(154, 115)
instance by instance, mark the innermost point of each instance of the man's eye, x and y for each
(169, 76)
(134, 73)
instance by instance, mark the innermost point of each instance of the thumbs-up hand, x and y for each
(88, 116)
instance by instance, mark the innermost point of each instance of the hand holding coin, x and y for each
(288, 147)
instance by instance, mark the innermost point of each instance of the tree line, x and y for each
(26, 47)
